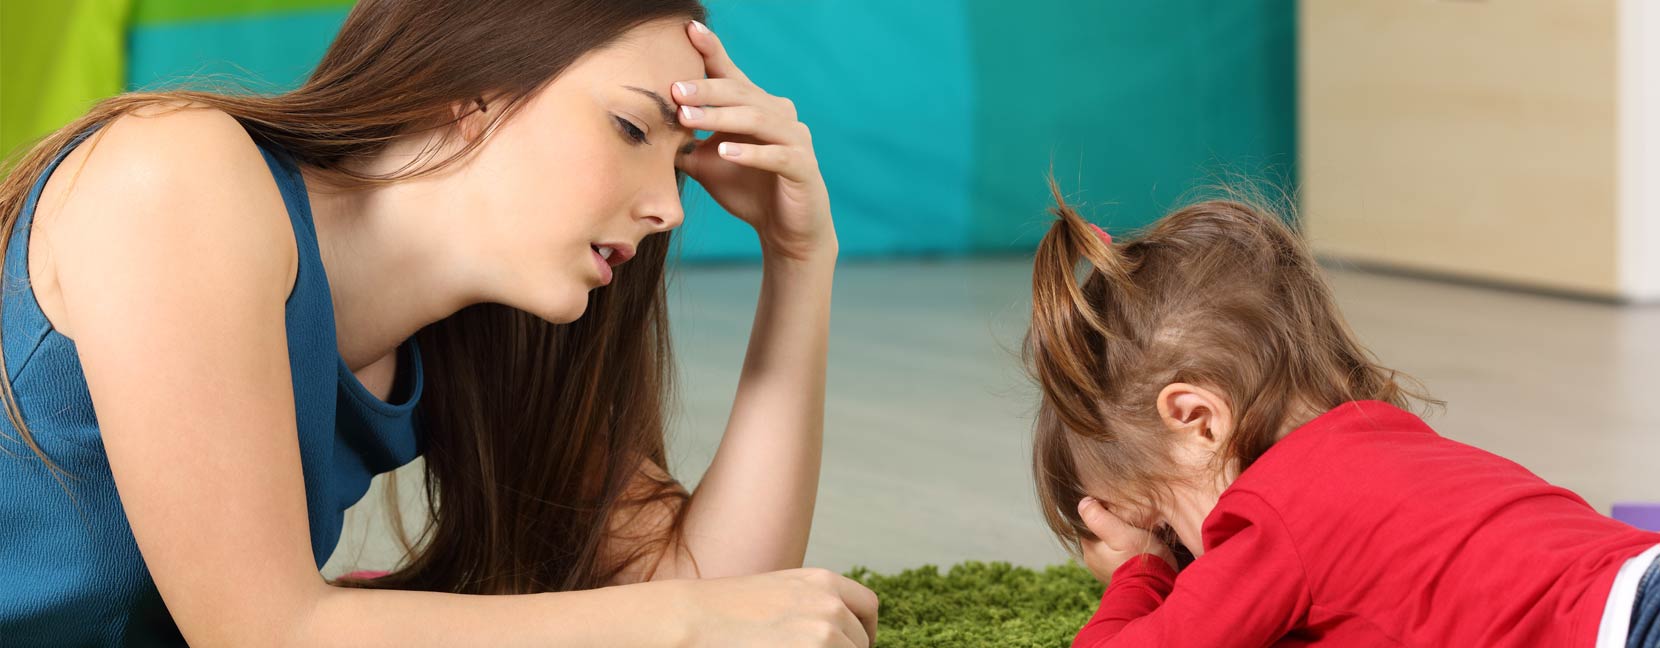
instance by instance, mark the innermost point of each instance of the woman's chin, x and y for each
(568, 315)
(563, 308)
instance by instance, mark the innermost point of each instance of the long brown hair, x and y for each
(1219, 293)
(533, 432)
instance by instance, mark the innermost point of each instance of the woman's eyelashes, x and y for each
(630, 131)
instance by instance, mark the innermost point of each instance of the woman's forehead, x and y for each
(652, 55)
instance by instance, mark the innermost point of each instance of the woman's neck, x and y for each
(391, 270)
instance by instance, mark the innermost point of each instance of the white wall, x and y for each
(1639, 149)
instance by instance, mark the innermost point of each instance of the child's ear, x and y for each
(1199, 417)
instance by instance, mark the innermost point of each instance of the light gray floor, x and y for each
(928, 420)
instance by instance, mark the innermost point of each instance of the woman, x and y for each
(449, 241)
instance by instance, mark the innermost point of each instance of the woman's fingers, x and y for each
(759, 164)
(746, 120)
(731, 92)
(862, 604)
(854, 618)
(715, 61)
(786, 161)
(852, 628)
(719, 92)
(729, 103)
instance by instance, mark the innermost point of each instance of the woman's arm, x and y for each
(174, 270)
(753, 509)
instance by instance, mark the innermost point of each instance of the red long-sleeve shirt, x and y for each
(1365, 528)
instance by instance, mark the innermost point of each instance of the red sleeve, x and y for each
(1249, 589)
(1136, 590)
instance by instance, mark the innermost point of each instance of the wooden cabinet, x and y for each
(1510, 141)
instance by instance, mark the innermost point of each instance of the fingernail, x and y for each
(686, 89)
(700, 27)
(691, 112)
(728, 149)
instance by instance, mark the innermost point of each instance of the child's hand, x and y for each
(1116, 541)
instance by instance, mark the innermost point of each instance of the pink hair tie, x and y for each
(1105, 237)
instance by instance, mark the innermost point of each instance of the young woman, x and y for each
(225, 312)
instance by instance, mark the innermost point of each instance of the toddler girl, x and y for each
(1202, 391)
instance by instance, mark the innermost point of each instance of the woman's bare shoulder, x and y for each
(185, 181)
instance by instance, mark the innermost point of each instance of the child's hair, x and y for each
(1221, 294)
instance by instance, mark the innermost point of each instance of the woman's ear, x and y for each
(1199, 417)
(471, 117)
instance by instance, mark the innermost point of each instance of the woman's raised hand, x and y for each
(759, 163)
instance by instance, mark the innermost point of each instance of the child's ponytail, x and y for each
(1068, 320)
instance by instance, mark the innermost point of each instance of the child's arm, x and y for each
(1137, 589)
(1249, 589)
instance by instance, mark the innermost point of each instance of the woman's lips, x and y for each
(604, 267)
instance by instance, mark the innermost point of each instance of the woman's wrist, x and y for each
(817, 248)
(671, 623)
(652, 613)
(815, 260)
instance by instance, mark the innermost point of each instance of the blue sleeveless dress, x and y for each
(70, 571)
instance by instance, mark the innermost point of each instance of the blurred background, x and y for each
(1473, 173)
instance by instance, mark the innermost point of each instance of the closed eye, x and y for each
(630, 131)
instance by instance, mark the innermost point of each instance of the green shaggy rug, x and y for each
(982, 604)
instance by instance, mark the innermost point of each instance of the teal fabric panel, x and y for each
(269, 52)
(1134, 103)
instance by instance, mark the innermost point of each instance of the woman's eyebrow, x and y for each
(663, 106)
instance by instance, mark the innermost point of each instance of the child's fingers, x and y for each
(1095, 517)
(1117, 533)
(1098, 558)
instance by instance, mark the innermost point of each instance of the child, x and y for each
(1200, 382)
